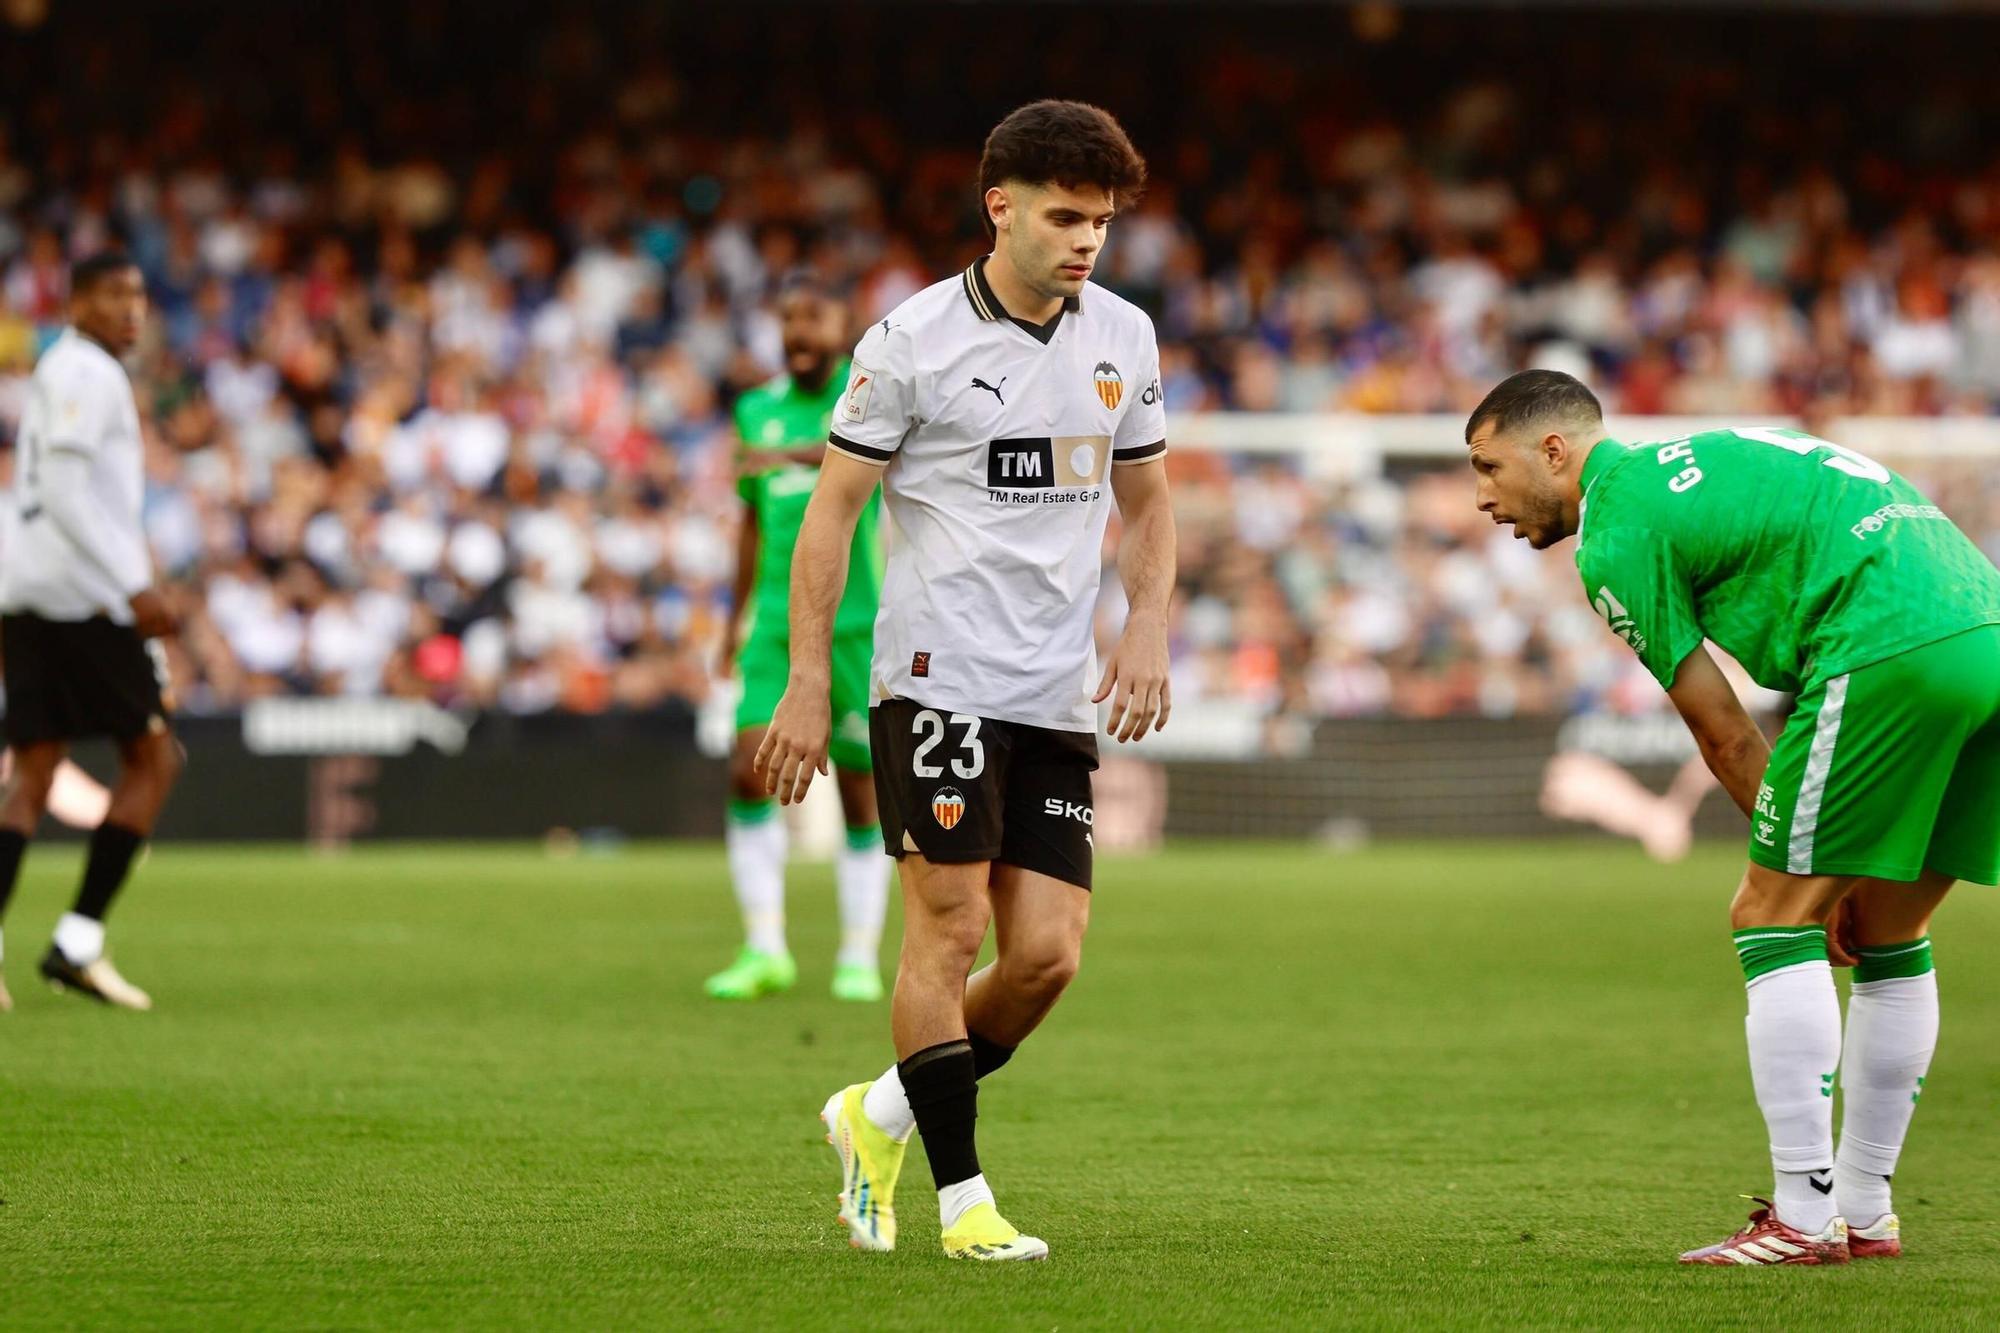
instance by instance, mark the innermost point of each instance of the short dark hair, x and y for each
(1531, 396)
(1053, 142)
(87, 272)
(803, 281)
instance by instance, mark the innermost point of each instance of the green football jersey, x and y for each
(781, 415)
(1800, 558)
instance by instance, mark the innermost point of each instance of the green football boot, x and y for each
(860, 983)
(754, 973)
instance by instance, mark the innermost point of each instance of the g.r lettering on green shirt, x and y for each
(1800, 558)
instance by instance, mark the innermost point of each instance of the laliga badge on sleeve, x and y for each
(859, 388)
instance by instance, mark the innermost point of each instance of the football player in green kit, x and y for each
(783, 426)
(1829, 577)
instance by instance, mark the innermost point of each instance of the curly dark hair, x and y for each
(1053, 142)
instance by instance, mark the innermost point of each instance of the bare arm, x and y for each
(795, 746)
(1137, 670)
(756, 460)
(739, 592)
(1729, 739)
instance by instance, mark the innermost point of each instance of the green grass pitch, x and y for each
(1416, 1086)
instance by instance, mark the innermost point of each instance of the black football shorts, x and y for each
(68, 679)
(959, 788)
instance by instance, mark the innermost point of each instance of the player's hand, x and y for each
(150, 616)
(1840, 937)
(795, 746)
(1137, 672)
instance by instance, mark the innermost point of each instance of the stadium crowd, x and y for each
(438, 399)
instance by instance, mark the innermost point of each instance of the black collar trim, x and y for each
(987, 306)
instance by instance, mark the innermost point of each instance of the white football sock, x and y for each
(80, 939)
(1892, 1029)
(757, 868)
(953, 1200)
(862, 877)
(1794, 1034)
(888, 1107)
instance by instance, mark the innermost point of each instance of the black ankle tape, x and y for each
(987, 1056)
(941, 1051)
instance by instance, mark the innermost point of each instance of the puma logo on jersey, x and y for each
(993, 389)
(1620, 620)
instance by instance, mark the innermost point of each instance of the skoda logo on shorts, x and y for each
(948, 806)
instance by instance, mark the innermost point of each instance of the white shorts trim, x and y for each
(1812, 786)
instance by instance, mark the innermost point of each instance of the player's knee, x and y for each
(1044, 968)
(858, 805)
(959, 942)
(1755, 905)
(743, 782)
(29, 789)
(34, 773)
(172, 761)
(1772, 898)
(1883, 912)
(948, 941)
(158, 759)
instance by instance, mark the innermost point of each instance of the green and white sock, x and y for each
(1892, 1027)
(1793, 1031)
(861, 876)
(755, 836)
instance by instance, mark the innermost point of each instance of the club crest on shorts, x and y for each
(948, 806)
(1110, 384)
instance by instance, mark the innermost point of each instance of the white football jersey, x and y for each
(79, 401)
(996, 439)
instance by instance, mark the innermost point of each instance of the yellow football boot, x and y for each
(870, 1161)
(981, 1233)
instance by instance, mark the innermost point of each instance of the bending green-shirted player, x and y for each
(782, 427)
(1829, 577)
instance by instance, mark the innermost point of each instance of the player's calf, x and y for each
(945, 916)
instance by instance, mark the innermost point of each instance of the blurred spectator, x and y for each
(449, 312)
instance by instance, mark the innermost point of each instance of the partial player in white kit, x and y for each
(75, 798)
(79, 614)
(1001, 411)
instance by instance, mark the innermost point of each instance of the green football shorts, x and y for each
(1891, 770)
(764, 664)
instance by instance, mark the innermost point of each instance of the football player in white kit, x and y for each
(79, 612)
(1001, 411)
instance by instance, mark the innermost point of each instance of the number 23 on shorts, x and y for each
(930, 725)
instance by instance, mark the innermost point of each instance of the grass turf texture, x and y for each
(1449, 1085)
